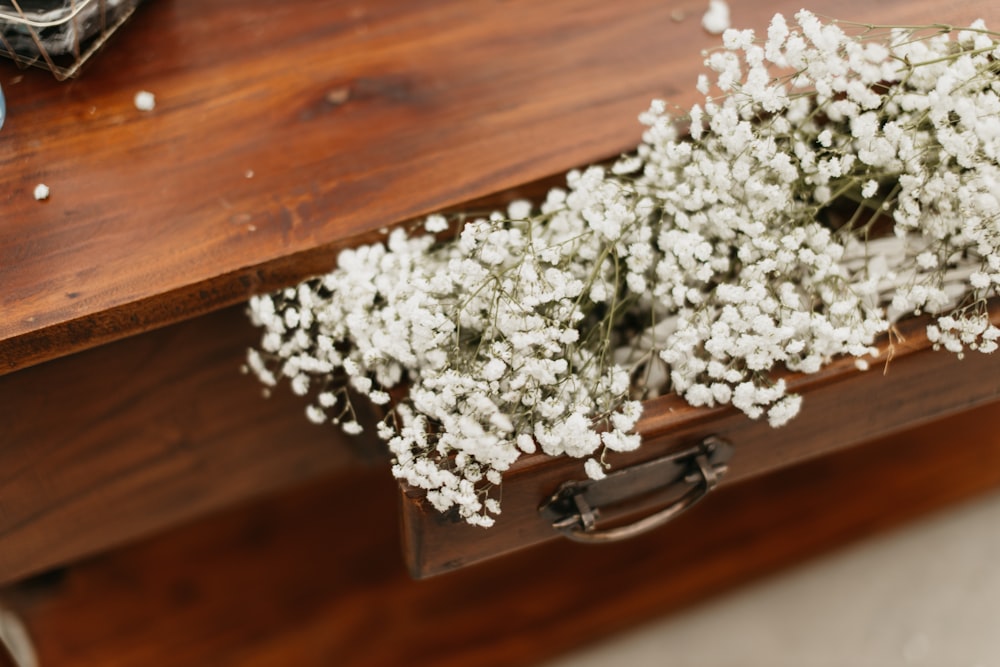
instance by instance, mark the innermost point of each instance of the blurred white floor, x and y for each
(927, 594)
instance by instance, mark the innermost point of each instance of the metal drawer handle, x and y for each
(575, 508)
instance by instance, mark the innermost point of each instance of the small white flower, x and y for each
(300, 384)
(379, 397)
(519, 209)
(716, 18)
(927, 260)
(784, 410)
(526, 443)
(594, 469)
(979, 280)
(315, 414)
(435, 223)
(617, 441)
(703, 84)
(145, 100)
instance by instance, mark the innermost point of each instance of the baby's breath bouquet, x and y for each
(836, 178)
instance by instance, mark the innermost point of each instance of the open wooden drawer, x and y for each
(908, 384)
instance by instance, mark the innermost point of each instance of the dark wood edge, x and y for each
(184, 303)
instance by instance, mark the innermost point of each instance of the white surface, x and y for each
(928, 594)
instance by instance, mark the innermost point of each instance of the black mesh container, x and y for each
(58, 35)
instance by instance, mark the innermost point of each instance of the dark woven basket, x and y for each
(58, 35)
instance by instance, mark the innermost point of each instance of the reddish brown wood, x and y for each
(842, 407)
(350, 116)
(165, 422)
(313, 578)
(129, 438)
(6, 660)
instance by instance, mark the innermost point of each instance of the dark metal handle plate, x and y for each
(576, 508)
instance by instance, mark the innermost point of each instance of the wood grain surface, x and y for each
(127, 439)
(284, 131)
(313, 578)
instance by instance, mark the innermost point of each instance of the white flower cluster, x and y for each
(762, 265)
(500, 336)
(829, 184)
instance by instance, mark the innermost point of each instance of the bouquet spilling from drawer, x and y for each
(835, 179)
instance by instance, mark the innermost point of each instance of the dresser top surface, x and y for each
(285, 131)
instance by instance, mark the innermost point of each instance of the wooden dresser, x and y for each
(284, 132)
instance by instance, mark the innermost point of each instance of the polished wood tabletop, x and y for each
(285, 131)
